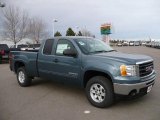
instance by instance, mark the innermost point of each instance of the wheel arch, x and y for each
(18, 64)
(91, 73)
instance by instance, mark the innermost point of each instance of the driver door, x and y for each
(67, 68)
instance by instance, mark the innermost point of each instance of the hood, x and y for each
(124, 57)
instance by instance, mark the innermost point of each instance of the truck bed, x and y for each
(28, 58)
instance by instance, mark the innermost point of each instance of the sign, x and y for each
(105, 29)
(61, 48)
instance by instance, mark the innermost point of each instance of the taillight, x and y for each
(2, 52)
(10, 57)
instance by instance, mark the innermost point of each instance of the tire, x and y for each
(99, 91)
(23, 79)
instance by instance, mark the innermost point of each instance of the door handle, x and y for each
(55, 60)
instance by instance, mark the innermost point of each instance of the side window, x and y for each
(48, 47)
(63, 45)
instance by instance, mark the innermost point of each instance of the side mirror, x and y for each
(70, 52)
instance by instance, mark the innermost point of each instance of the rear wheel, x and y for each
(99, 91)
(23, 79)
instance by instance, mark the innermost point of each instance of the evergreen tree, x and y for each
(70, 32)
(57, 34)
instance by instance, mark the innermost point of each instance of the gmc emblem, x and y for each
(149, 68)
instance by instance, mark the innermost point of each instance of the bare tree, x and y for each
(37, 29)
(15, 24)
(86, 32)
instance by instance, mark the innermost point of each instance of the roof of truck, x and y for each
(70, 37)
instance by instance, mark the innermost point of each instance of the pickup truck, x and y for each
(4, 52)
(18, 47)
(88, 63)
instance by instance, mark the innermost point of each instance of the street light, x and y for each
(54, 25)
(77, 30)
(2, 4)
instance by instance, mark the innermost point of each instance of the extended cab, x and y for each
(88, 63)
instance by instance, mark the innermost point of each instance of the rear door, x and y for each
(45, 60)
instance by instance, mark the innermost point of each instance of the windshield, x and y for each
(34, 45)
(22, 46)
(90, 45)
(37, 45)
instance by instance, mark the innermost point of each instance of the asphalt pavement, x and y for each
(47, 100)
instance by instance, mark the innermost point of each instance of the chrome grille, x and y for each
(145, 69)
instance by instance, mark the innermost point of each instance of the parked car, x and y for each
(4, 52)
(143, 43)
(137, 43)
(88, 63)
(152, 44)
(19, 47)
(158, 45)
(148, 44)
(125, 43)
(131, 43)
(119, 44)
(33, 47)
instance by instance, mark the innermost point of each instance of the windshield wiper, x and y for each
(99, 51)
(112, 50)
(102, 51)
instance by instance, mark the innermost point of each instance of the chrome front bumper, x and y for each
(125, 89)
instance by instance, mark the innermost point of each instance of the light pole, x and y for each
(54, 26)
(77, 30)
(2, 4)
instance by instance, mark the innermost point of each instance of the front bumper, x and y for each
(127, 89)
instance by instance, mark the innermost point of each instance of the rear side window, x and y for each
(47, 50)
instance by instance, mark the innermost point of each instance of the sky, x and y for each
(130, 19)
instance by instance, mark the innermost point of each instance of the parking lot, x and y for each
(46, 100)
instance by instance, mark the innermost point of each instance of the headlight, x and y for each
(128, 70)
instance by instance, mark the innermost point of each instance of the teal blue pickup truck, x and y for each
(88, 63)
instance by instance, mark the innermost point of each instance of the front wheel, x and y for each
(23, 79)
(99, 91)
